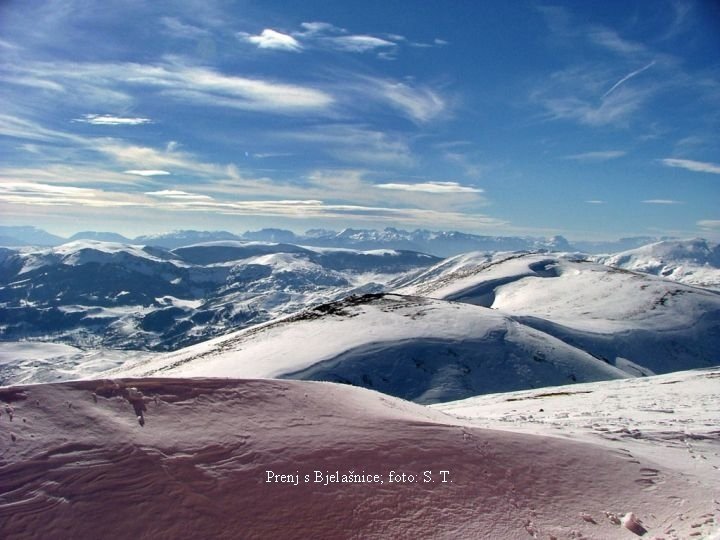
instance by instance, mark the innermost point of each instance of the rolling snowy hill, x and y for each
(220, 458)
(693, 262)
(639, 323)
(412, 347)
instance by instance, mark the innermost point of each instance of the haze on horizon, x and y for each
(526, 118)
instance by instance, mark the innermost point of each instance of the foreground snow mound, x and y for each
(637, 322)
(416, 348)
(673, 420)
(199, 458)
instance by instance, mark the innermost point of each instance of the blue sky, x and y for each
(594, 120)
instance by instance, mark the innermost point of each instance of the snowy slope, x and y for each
(673, 420)
(416, 348)
(191, 458)
(693, 262)
(33, 362)
(614, 314)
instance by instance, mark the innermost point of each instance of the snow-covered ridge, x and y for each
(613, 314)
(693, 262)
(417, 348)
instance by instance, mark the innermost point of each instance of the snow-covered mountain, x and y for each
(100, 237)
(27, 236)
(473, 324)
(637, 322)
(220, 458)
(175, 239)
(412, 347)
(438, 243)
(694, 262)
(89, 293)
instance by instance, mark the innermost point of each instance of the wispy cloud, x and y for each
(327, 36)
(175, 79)
(711, 224)
(432, 187)
(148, 161)
(357, 144)
(420, 104)
(611, 40)
(661, 201)
(39, 194)
(691, 165)
(177, 28)
(601, 155)
(580, 105)
(22, 128)
(147, 172)
(595, 201)
(627, 78)
(109, 120)
(7, 45)
(178, 194)
(357, 43)
(272, 39)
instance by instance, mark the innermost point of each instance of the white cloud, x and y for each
(271, 39)
(661, 201)
(595, 201)
(144, 158)
(602, 155)
(85, 174)
(38, 194)
(713, 224)
(357, 43)
(147, 172)
(109, 120)
(177, 194)
(432, 187)
(319, 27)
(177, 80)
(690, 165)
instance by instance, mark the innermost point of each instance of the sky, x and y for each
(593, 120)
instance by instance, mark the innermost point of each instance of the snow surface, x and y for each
(694, 262)
(672, 420)
(32, 361)
(417, 348)
(611, 313)
(189, 458)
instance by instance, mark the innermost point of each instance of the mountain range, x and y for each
(91, 294)
(406, 323)
(438, 243)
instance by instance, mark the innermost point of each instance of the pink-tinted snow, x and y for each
(188, 458)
